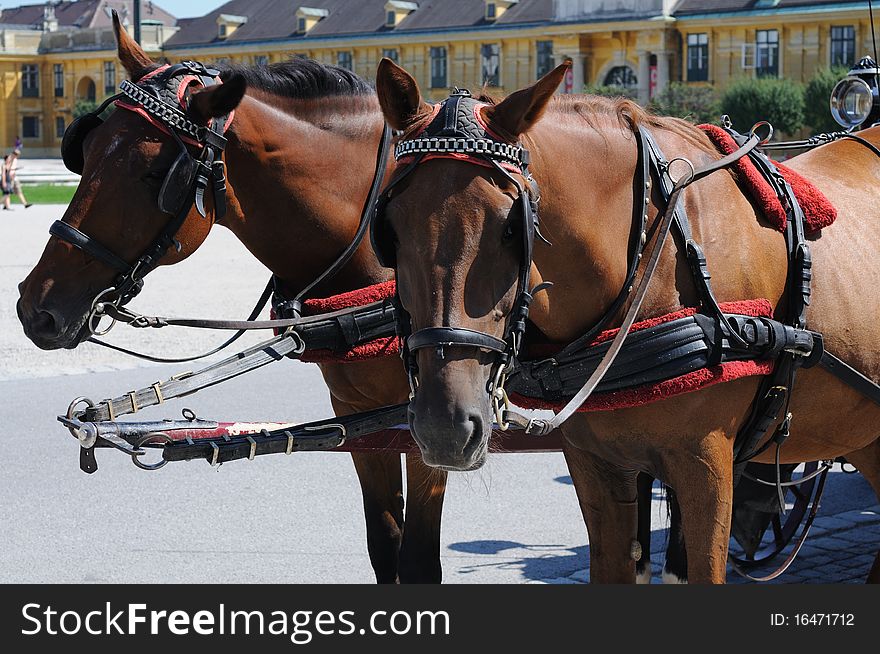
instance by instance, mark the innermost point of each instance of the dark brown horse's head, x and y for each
(126, 160)
(457, 238)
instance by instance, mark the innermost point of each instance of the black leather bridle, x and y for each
(156, 95)
(455, 130)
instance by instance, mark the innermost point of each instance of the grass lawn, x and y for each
(46, 194)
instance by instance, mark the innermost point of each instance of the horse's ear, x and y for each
(399, 95)
(218, 100)
(519, 111)
(132, 56)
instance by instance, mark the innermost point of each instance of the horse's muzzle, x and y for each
(47, 329)
(456, 442)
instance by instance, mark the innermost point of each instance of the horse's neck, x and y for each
(299, 173)
(588, 192)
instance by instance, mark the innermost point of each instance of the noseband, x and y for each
(159, 97)
(457, 131)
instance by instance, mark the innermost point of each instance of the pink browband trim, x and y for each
(479, 118)
(181, 90)
(477, 161)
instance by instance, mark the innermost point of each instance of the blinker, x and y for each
(178, 183)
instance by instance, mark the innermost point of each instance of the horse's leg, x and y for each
(703, 483)
(420, 551)
(644, 484)
(675, 568)
(608, 500)
(382, 488)
(867, 460)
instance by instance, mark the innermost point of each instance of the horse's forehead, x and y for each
(120, 138)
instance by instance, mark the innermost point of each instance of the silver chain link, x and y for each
(446, 145)
(165, 113)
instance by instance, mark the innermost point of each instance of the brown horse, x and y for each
(455, 227)
(300, 158)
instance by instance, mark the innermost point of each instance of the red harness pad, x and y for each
(687, 383)
(818, 210)
(380, 347)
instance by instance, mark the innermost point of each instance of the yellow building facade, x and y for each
(644, 45)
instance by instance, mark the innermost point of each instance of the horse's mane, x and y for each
(300, 78)
(628, 114)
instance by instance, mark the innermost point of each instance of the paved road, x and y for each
(276, 519)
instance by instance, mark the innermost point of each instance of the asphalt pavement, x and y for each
(278, 518)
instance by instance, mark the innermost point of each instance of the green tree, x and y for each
(817, 94)
(83, 107)
(698, 104)
(610, 91)
(778, 101)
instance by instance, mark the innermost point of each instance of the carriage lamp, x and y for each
(854, 100)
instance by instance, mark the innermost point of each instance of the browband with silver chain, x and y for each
(514, 154)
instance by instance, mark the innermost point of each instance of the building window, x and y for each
(767, 53)
(343, 60)
(261, 60)
(109, 77)
(545, 58)
(621, 76)
(301, 25)
(697, 57)
(490, 57)
(438, 68)
(58, 77)
(59, 127)
(491, 11)
(30, 81)
(30, 127)
(390, 19)
(392, 54)
(843, 45)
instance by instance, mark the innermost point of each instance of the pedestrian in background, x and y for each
(18, 143)
(4, 182)
(11, 184)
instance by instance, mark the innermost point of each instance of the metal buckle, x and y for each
(343, 433)
(253, 451)
(500, 401)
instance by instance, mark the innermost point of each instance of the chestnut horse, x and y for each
(457, 241)
(301, 154)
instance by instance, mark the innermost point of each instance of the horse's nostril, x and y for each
(44, 324)
(475, 423)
